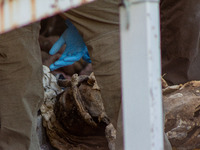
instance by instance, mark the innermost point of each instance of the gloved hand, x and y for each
(75, 48)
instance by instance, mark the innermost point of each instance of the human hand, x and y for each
(75, 48)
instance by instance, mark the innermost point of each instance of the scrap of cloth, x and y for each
(98, 23)
(180, 33)
(21, 92)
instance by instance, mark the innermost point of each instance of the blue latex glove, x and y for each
(75, 48)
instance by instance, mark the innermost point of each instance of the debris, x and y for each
(182, 120)
(164, 83)
(75, 118)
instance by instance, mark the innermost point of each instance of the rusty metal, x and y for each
(16, 13)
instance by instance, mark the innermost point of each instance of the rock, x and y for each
(182, 120)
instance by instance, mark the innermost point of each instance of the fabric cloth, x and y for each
(180, 35)
(98, 22)
(21, 91)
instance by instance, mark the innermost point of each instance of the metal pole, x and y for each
(141, 75)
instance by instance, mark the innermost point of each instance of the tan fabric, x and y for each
(120, 141)
(180, 35)
(95, 19)
(21, 90)
(98, 22)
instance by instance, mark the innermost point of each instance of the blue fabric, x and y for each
(75, 48)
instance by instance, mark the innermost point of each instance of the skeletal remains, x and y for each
(75, 118)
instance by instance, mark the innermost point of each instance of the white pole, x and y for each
(141, 75)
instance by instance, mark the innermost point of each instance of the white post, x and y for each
(141, 75)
